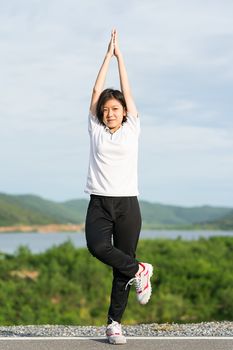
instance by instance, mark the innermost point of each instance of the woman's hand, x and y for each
(111, 45)
(115, 42)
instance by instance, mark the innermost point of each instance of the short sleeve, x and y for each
(92, 122)
(133, 122)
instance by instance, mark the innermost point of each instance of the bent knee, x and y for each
(99, 250)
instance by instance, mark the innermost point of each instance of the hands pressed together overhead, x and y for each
(113, 50)
(113, 47)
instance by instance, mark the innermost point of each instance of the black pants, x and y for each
(112, 228)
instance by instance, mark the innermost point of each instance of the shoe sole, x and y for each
(117, 340)
(145, 301)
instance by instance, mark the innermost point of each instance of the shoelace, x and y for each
(137, 281)
(115, 325)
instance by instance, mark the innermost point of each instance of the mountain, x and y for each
(224, 223)
(31, 209)
(34, 210)
(156, 215)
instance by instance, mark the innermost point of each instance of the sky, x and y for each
(179, 57)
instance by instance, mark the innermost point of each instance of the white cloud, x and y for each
(172, 138)
(183, 105)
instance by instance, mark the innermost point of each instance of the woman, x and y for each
(113, 211)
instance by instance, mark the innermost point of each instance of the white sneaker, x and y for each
(114, 333)
(142, 283)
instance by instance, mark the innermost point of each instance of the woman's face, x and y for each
(113, 113)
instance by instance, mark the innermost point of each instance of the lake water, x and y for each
(39, 242)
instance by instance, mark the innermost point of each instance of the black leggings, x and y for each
(112, 228)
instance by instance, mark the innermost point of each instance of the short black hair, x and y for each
(106, 95)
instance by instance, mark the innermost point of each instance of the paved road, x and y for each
(101, 344)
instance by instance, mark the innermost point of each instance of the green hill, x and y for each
(34, 210)
(31, 209)
(224, 223)
(158, 215)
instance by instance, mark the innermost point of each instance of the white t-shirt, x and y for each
(113, 158)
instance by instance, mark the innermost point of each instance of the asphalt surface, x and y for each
(102, 344)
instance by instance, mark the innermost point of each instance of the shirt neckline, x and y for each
(107, 129)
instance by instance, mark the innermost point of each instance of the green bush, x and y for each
(192, 282)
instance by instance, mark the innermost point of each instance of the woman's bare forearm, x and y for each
(124, 81)
(123, 76)
(125, 86)
(99, 83)
(101, 77)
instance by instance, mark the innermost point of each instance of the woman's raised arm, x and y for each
(100, 80)
(124, 82)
